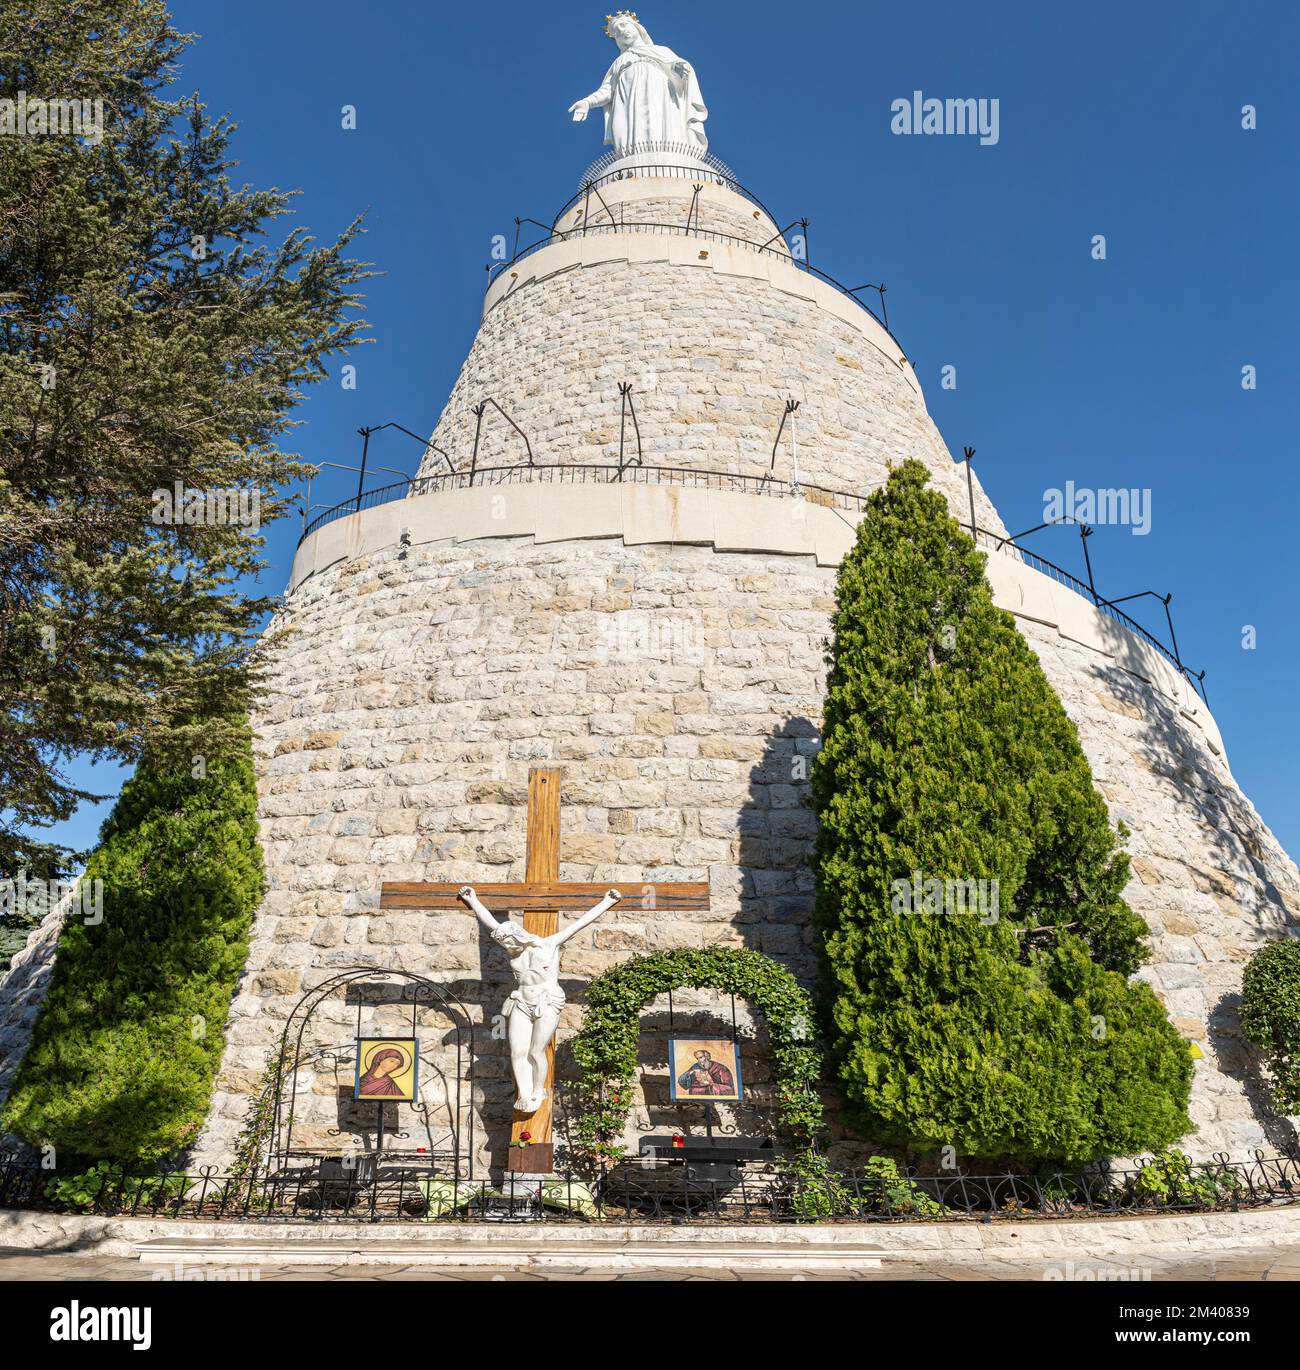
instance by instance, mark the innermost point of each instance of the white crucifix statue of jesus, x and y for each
(532, 1012)
(534, 950)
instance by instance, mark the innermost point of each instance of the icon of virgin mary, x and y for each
(377, 1082)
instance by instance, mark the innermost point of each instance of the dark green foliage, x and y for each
(15, 928)
(110, 1188)
(606, 1047)
(1009, 1033)
(1270, 1017)
(1171, 1179)
(129, 1038)
(152, 331)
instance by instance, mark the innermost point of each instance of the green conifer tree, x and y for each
(1009, 1029)
(156, 331)
(129, 1038)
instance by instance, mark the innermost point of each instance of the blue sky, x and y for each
(1115, 119)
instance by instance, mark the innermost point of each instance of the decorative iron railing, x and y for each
(693, 230)
(998, 543)
(334, 1189)
(658, 161)
(585, 473)
(650, 158)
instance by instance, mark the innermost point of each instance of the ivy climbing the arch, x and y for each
(606, 1047)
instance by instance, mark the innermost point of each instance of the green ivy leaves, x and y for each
(606, 1047)
(1270, 1017)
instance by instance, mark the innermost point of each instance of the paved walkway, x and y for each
(1250, 1265)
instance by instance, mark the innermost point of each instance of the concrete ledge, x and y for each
(728, 521)
(857, 1245)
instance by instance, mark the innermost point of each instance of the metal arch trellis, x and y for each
(712, 1119)
(418, 991)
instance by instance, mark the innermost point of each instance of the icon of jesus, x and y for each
(706, 1077)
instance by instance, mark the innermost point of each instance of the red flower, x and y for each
(525, 1136)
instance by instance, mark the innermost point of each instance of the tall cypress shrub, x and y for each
(1010, 1031)
(1270, 1018)
(129, 1038)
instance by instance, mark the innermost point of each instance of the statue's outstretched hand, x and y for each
(579, 110)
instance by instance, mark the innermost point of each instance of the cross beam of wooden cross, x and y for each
(540, 897)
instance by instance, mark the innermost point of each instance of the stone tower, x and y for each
(658, 634)
(634, 586)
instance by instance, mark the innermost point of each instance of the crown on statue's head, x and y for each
(618, 14)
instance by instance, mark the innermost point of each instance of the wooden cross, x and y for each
(539, 897)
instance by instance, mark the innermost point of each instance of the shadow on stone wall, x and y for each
(1240, 1061)
(1219, 883)
(777, 829)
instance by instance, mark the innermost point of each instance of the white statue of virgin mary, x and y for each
(649, 95)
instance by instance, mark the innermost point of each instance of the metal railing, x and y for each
(339, 1189)
(1108, 607)
(690, 230)
(656, 162)
(587, 473)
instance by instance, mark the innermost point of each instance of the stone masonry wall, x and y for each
(675, 687)
(712, 358)
(679, 690)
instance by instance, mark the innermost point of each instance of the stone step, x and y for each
(514, 1249)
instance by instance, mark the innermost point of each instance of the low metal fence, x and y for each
(337, 1189)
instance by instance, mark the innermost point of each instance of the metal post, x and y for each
(1173, 637)
(1084, 534)
(624, 387)
(970, 488)
(365, 447)
(791, 407)
(693, 212)
(795, 443)
(478, 428)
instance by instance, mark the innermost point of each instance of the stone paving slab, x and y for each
(1250, 1265)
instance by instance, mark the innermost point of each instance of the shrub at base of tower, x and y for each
(976, 947)
(129, 1039)
(1270, 1018)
